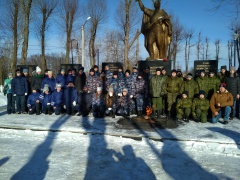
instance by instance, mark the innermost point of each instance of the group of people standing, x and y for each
(124, 93)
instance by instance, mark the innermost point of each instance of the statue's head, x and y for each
(157, 4)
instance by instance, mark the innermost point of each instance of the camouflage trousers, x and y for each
(171, 101)
(183, 112)
(157, 103)
(201, 115)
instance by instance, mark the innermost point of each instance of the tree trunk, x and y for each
(44, 63)
(15, 37)
(27, 9)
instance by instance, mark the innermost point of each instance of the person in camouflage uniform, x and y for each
(93, 82)
(183, 107)
(190, 86)
(134, 74)
(203, 82)
(140, 92)
(214, 83)
(108, 73)
(115, 83)
(200, 107)
(98, 103)
(156, 92)
(172, 89)
(125, 104)
(127, 82)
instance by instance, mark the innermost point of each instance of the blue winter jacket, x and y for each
(69, 95)
(51, 83)
(32, 98)
(19, 85)
(45, 99)
(61, 79)
(57, 98)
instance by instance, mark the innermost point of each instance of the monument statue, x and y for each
(157, 29)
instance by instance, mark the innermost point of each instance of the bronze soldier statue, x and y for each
(157, 29)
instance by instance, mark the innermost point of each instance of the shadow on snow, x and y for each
(107, 163)
(37, 166)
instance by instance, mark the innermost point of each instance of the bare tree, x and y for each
(127, 19)
(207, 48)
(44, 9)
(113, 46)
(199, 42)
(217, 45)
(188, 45)
(98, 12)
(177, 38)
(68, 13)
(26, 7)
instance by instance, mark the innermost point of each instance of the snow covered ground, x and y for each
(72, 147)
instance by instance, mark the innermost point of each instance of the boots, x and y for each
(168, 115)
(113, 114)
(159, 114)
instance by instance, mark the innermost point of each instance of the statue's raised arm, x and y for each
(157, 29)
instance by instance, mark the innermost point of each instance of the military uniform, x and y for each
(200, 107)
(183, 107)
(172, 89)
(156, 92)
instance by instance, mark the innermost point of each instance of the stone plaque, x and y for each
(66, 67)
(206, 65)
(113, 66)
(155, 64)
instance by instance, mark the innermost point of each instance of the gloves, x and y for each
(74, 103)
(64, 106)
(25, 94)
(131, 96)
(14, 95)
(109, 109)
(48, 104)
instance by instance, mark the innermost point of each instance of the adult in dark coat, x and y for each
(20, 90)
(80, 80)
(70, 98)
(233, 86)
(37, 79)
(84, 102)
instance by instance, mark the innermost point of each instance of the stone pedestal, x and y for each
(153, 64)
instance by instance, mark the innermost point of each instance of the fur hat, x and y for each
(99, 88)
(38, 69)
(158, 69)
(211, 72)
(91, 70)
(81, 68)
(185, 92)
(173, 71)
(95, 66)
